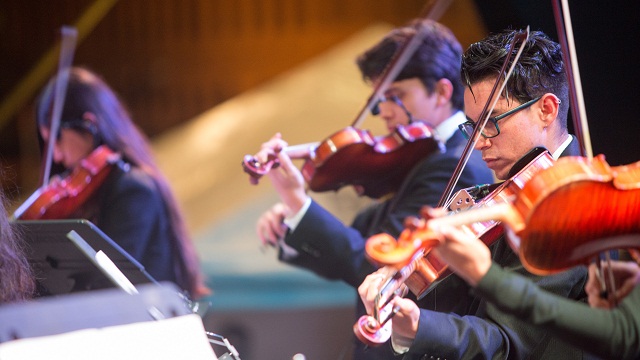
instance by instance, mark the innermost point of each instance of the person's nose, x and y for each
(387, 110)
(482, 143)
(58, 155)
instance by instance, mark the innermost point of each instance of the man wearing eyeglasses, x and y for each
(530, 113)
(427, 89)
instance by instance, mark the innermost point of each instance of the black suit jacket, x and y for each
(132, 212)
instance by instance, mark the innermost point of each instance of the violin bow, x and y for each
(67, 49)
(486, 112)
(576, 99)
(400, 58)
(562, 17)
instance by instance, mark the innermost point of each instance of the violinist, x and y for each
(427, 89)
(17, 282)
(134, 205)
(530, 112)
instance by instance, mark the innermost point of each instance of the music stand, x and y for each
(61, 267)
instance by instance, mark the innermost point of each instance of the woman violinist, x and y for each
(133, 205)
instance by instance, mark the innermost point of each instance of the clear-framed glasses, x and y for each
(492, 129)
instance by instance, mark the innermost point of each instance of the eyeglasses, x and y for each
(489, 131)
(375, 110)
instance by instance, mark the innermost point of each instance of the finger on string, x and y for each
(444, 234)
(429, 212)
(265, 154)
(375, 285)
(286, 164)
(403, 306)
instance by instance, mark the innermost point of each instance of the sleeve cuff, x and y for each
(293, 221)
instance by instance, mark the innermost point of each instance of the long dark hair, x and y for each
(16, 278)
(88, 92)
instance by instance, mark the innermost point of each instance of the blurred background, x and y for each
(210, 80)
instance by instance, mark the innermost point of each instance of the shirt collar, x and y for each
(556, 154)
(447, 128)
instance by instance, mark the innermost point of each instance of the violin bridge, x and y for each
(466, 198)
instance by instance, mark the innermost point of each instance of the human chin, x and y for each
(500, 169)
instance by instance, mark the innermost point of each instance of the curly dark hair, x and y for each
(17, 281)
(438, 57)
(539, 70)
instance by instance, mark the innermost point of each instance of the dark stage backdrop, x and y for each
(606, 35)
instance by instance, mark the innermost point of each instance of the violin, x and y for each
(548, 238)
(351, 156)
(65, 194)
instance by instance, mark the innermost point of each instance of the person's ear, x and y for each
(444, 90)
(91, 122)
(549, 107)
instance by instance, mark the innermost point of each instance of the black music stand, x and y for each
(61, 267)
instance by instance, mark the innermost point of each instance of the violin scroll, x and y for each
(371, 332)
(256, 169)
(375, 330)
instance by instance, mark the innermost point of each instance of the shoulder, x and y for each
(132, 181)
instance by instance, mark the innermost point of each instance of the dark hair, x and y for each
(87, 92)
(16, 279)
(437, 57)
(539, 70)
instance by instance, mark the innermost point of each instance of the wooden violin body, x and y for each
(64, 195)
(351, 156)
(575, 210)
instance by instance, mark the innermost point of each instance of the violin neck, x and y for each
(301, 151)
(504, 212)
